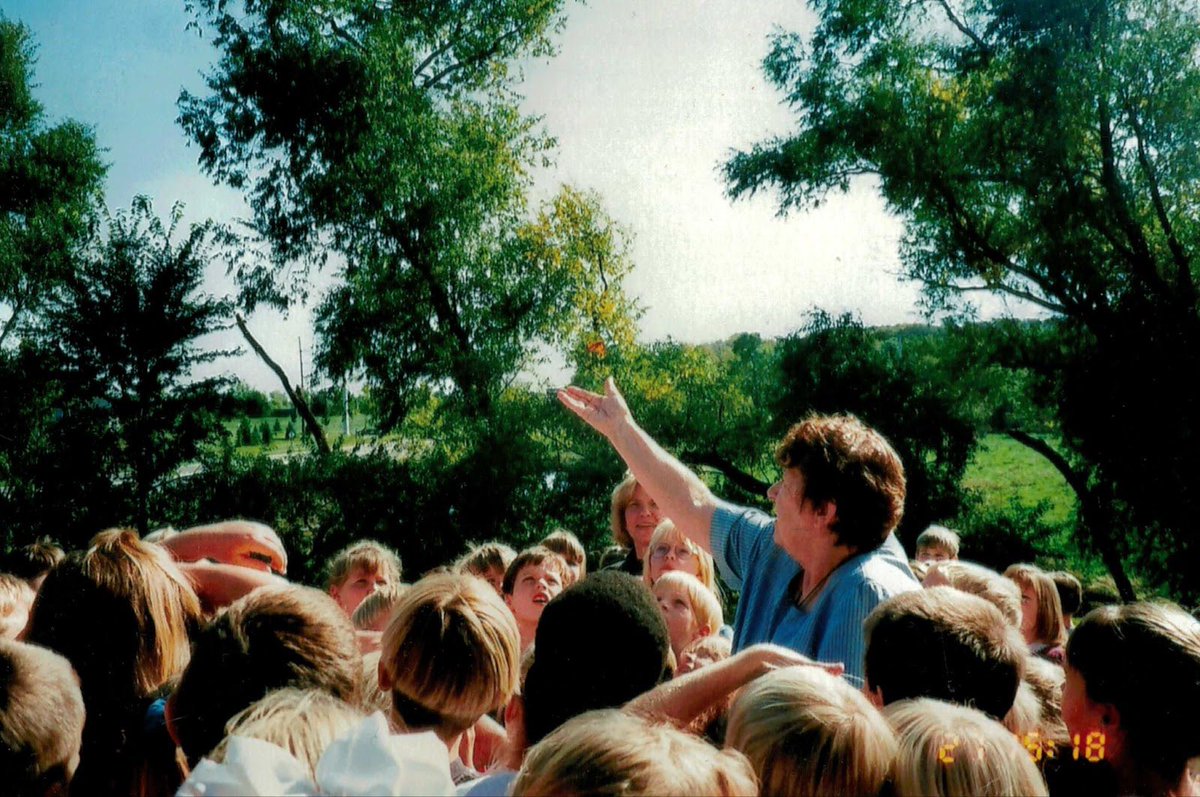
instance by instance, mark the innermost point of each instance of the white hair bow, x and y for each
(367, 760)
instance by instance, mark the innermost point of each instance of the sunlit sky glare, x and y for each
(647, 98)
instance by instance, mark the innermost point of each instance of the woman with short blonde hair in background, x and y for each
(634, 517)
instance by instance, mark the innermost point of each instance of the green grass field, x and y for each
(1003, 470)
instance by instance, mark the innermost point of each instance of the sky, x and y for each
(646, 100)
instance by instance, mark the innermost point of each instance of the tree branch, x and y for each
(1182, 261)
(1096, 517)
(1141, 262)
(310, 421)
(342, 33)
(736, 475)
(970, 34)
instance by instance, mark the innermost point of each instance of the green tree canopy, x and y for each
(386, 140)
(1042, 150)
(126, 327)
(50, 178)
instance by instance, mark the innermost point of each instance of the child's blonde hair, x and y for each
(705, 606)
(301, 721)
(808, 732)
(665, 533)
(450, 654)
(1049, 628)
(1001, 592)
(939, 538)
(41, 719)
(947, 750)
(611, 752)
(703, 651)
(568, 546)
(120, 610)
(16, 598)
(367, 555)
(376, 606)
(484, 557)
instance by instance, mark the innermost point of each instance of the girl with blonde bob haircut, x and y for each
(1041, 612)
(610, 752)
(670, 549)
(807, 732)
(450, 655)
(947, 750)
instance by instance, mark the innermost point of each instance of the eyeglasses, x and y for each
(682, 553)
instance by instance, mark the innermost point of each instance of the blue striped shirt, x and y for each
(831, 628)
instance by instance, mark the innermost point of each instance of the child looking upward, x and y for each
(690, 609)
(360, 569)
(533, 578)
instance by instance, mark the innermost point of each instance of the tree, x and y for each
(386, 139)
(50, 179)
(126, 325)
(1045, 151)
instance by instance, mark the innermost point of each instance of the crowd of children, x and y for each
(186, 663)
(519, 673)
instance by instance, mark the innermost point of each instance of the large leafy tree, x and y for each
(384, 140)
(50, 177)
(126, 330)
(1046, 151)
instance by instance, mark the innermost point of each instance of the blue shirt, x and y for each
(831, 628)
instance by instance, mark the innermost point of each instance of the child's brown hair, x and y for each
(568, 546)
(537, 555)
(484, 557)
(41, 720)
(272, 638)
(942, 643)
(377, 606)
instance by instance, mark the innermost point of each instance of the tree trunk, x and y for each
(310, 420)
(1097, 520)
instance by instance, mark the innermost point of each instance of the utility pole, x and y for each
(300, 349)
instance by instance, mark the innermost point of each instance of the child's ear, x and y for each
(169, 719)
(385, 678)
(705, 630)
(514, 712)
(874, 694)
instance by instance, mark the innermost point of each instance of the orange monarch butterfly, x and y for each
(597, 348)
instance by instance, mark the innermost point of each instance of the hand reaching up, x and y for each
(604, 413)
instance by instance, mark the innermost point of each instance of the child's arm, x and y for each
(218, 585)
(683, 699)
(233, 542)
